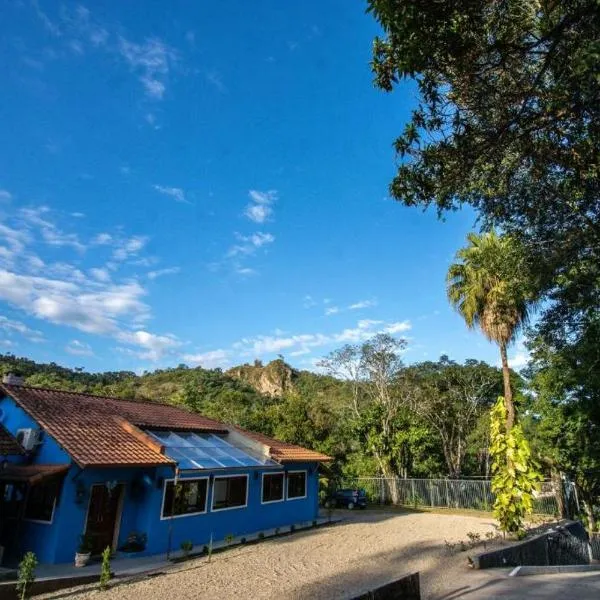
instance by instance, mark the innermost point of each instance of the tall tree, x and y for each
(379, 395)
(451, 398)
(508, 121)
(489, 287)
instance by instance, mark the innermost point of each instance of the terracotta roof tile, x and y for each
(284, 452)
(8, 444)
(101, 431)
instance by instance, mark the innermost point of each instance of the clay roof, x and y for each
(8, 444)
(103, 431)
(285, 453)
(93, 429)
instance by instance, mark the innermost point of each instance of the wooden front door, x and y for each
(103, 512)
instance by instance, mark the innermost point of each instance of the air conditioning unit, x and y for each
(29, 438)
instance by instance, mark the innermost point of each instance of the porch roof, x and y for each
(30, 473)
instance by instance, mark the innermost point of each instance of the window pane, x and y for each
(296, 485)
(187, 497)
(229, 492)
(272, 487)
(40, 501)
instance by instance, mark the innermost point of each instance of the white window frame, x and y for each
(212, 503)
(287, 485)
(40, 521)
(183, 480)
(262, 487)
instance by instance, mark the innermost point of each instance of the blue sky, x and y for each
(207, 183)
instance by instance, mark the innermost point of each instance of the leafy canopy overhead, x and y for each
(508, 119)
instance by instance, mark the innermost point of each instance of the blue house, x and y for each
(119, 470)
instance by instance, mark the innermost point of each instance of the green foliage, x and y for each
(229, 539)
(26, 574)
(105, 574)
(515, 474)
(186, 547)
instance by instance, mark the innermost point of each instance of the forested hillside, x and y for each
(316, 410)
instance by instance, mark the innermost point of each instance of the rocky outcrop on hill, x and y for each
(273, 379)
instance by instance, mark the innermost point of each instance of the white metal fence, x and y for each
(449, 493)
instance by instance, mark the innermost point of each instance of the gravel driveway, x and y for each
(367, 549)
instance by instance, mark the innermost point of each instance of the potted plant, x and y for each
(136, 542)
(84, 550)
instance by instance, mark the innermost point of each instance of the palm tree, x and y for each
(490, 289)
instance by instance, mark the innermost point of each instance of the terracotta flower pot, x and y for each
(82, 559)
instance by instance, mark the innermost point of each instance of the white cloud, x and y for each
(101, 275)
(332, 310)
(305, 343)
(160, 272)
(260, 208)
(173, 192)
(209, 360)
(78, 348)
(362, 304)
(78, 215)
(5, 196)
(154, 347)
(249, 244)
(258, 213)
(38, 217)
(129, 247)
(11, 327)
(102, 239)
(152, 61)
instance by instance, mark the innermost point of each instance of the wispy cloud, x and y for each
(173, 192)
(260, 207)
(250, 244)
(363, 304)
(332, 310)
(305, 343)
(5, 196)
(39, 217)
(161, 272)
(94, 300)
(152, 61)
(209, 360)
(77, 348)
(10, 327)
(77, 31)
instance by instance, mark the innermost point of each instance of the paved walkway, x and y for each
(496, 584)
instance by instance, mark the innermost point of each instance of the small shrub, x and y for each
(449, 546)
(229, 539)
(261, 536)
(105, 570)
(474, 538)
(463, 546)
(243, 540)
(26, 574)
(204, 549)
(186, 547)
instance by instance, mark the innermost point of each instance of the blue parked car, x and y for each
(349, 497)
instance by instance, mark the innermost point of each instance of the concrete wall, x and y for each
(56, 542)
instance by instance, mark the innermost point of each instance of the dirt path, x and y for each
(340, 561)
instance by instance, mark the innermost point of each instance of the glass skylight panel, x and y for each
(194, 451)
